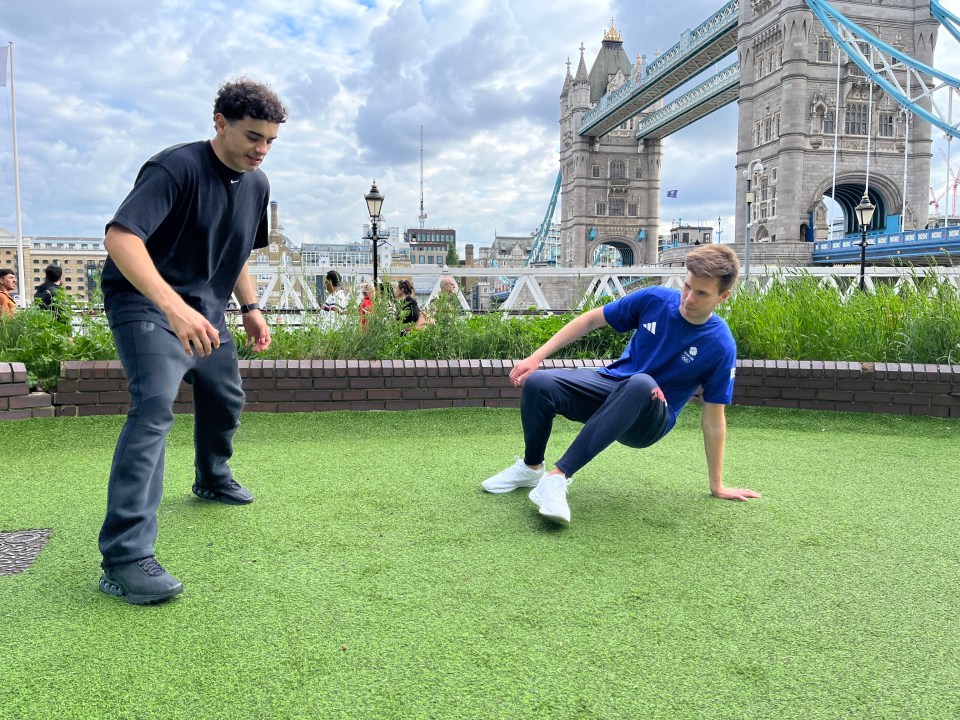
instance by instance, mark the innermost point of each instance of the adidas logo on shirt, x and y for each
(651, 327)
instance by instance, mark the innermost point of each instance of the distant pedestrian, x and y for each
(46, 294)
(335, 300)
(408, 311)
(366, 302)
(8, 286)
(178, 248)
(448, 285)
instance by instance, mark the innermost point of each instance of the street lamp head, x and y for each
(374, 201)
(754, 167)
(864, 211)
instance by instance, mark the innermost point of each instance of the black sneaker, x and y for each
(231, 493)
(143, 582)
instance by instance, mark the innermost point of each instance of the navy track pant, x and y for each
(631, 411)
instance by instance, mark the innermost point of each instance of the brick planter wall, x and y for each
(99, 388)
(16, 400)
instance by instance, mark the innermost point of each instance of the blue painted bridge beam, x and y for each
(711, 41)
(917, 246)
(720, 90)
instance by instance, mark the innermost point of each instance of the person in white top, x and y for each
(335, 302)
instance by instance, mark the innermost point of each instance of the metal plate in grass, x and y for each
(19, 549)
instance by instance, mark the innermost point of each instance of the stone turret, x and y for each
(611, 185)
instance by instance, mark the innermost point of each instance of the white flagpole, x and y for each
(16, 187)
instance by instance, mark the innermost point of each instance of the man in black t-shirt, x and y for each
(178, 248)
(46, 294)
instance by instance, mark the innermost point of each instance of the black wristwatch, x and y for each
(247, 308)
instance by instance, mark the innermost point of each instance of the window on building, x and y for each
(638, 173)
(829, 122)
(823, 51)
(616, 207)
(768, 130)
(855, 119)
(886, 125)
(601, 208)
(421, 259)
(632, 209)
(756, 134)
(596, 171)
(618, 170)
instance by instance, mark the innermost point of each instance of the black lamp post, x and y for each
(374, 203)
(864, 213)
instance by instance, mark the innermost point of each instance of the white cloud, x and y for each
(102, 86)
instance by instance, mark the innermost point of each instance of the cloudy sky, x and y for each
(103, 85)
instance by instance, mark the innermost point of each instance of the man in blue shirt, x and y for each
(178, 247)
(678, 346)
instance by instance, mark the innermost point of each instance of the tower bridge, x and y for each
(826, 109)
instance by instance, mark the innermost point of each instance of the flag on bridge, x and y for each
(3, 66)
(672, 193)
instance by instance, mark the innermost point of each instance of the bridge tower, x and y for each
(611, 185)
(789, 114)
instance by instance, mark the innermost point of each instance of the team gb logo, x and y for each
(690, 354)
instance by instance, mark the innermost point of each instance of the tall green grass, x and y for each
(794, 316)
(797, 317)
(450, 334)
(36, 338)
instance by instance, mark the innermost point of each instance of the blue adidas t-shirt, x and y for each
(679, 355)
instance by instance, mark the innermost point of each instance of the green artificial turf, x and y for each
(373, 579)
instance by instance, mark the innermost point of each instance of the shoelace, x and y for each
(151, 567)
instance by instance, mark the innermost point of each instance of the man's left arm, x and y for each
(254, 324)
(714, 425)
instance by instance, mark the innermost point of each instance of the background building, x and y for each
(81, 259)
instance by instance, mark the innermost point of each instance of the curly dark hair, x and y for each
(242, 97)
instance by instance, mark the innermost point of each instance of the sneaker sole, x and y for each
(499, 491)
(215, 496)
(111, 588)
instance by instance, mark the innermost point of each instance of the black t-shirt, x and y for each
(46, 293)
(409, 311)
(199, 220)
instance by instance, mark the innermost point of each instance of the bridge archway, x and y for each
(630, 251)
(886, 197)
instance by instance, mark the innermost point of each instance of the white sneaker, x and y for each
(550, 495)
(516, 476)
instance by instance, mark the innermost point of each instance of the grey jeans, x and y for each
(154, 362)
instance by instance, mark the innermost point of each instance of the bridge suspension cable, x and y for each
(851, 37)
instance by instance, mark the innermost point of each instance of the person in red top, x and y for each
(8, 285)
(366, 302)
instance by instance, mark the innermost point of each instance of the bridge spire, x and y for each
(612, 35)
(582, 76)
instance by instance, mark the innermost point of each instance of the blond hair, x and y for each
(714, 261)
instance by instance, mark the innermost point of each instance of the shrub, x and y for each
(794, 316)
